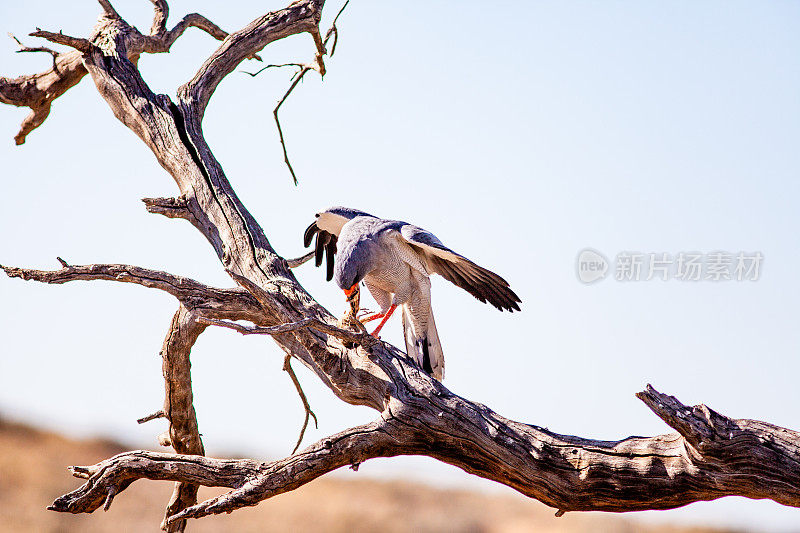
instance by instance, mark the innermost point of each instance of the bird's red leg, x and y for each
(371, 317)
(385, 318)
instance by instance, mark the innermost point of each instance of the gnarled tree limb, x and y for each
(231, 304)
(179, 405)
(38, 91)
(710, 456)
(739, 457)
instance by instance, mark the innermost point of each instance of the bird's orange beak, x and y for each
(348, 292)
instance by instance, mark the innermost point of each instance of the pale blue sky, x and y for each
(519, 133)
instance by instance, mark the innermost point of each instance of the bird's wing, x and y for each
(483, 284)
(325, 246)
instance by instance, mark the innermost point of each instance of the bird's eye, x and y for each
(317, 215)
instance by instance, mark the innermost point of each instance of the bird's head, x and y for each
(348, 277)
(332, 219)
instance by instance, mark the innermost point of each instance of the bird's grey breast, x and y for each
(357, 251)
(373, 248)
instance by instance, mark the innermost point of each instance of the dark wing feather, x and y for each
(322, 239)
(309, 234)
(481, 283)
(330, 251)
(325, 246)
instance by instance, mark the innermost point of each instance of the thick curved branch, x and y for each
(744, 457)
(38, 91)
(301, 16)
(179, 405)
(252, 481)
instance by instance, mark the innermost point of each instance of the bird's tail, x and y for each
(424, 346)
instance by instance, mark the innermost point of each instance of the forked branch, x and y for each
(287, 366)
(38, 91)
(318, 65)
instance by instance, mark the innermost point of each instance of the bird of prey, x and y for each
(395, 260)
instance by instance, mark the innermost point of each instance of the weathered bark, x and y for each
(710, 456)
(179, 405)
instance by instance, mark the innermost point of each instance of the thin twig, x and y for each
(294, 263)
(80, 44)
(158, 414)
(23, 48)
(81, 471)
(320, 52)
(298, 76)
(262, 69)
(109, 498)
(312, 323)
(334, 30)
(287, 366)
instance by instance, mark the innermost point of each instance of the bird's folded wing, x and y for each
(483, 284)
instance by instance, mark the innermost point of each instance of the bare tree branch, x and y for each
(153, 416)
(361, 338)
(23, 49)
(569, 473)
(281, 65)
(79, 44)
(334, 31)
(38, 91)
(169, 207)
(179, 407)
(160, 16)
(287, 366)
(298, 77)
(108, 9)
(235, 304)
(294, 263)
(163, 41)
(251, 481)
(299, 17)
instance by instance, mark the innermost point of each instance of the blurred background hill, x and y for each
(33, 473)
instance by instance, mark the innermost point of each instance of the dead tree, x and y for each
(708, 457)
